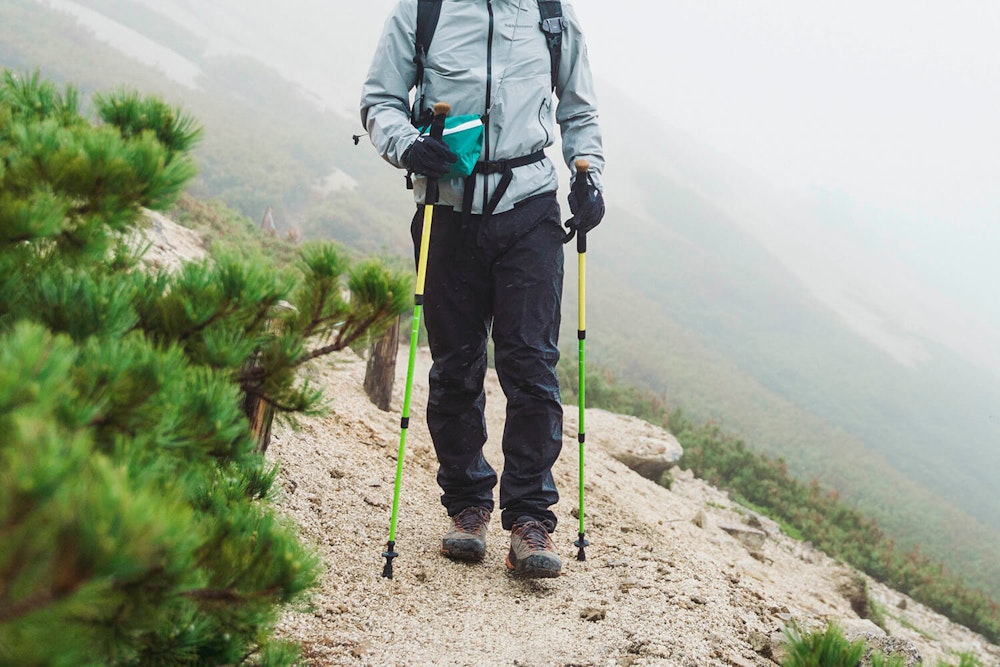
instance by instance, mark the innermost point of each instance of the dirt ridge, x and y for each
(669, 579)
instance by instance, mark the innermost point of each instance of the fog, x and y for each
(888, 107)
(890, 100)
(870, 140)
(893, 103)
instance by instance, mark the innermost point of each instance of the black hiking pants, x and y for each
(503, 275)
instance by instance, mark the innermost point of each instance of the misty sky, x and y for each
(893, 100)
(895, 103)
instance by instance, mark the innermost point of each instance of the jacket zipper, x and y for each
(489, 99)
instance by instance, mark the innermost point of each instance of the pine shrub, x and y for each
(829, 648)
(136, 525)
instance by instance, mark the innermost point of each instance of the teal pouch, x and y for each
(464, 136)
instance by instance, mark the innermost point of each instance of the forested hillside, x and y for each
(715, 324)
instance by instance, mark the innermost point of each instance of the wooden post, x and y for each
(380, 372)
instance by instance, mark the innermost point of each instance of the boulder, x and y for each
(645, 448)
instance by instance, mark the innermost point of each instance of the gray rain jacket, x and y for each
(488, 57)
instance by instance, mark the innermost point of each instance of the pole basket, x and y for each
(388, 555)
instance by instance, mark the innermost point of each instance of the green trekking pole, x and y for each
(430, 198)
(582, 167)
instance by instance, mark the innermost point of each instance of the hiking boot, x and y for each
(532, 554)
(467, 538)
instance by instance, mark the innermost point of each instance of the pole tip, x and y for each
(442, 109)
(389, 554)
(581, 543)
(582, 166)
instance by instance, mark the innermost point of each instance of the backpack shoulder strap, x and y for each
(428, 13)
(552, 25)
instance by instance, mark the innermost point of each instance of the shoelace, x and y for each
(471, 519)
(535, 536)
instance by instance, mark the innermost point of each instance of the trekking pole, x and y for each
(430, 198)
(582, 167)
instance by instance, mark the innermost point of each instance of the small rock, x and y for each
(778, 649)
(678, 473)
(737, 660)
(760, 643)
(593, 614)
(375, 503)
(860, 628)
(628, 584)
(751, 538)
(770, 646)
(699, 519)
(896, 647)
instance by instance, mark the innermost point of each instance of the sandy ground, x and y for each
(663, 583)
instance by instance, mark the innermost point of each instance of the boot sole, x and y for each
(533, 567)
(465, 552)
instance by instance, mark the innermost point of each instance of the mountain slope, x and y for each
(716, 318)
(655, 589)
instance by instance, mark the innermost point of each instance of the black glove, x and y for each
(587, 214)
(429, 156)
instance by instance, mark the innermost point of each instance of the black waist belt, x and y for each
(505, 167)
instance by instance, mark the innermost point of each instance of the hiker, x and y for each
(495, 262)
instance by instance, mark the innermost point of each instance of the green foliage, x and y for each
(225, 231)
(964, 660)
(821, 517)
(880, 660)
(711, 308)
(375, 296)
(135, 518)
(134, 114)
(828, 648)
(31, 98)
(66, 184)
(805, 511)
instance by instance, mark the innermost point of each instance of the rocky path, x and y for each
(673, 577)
